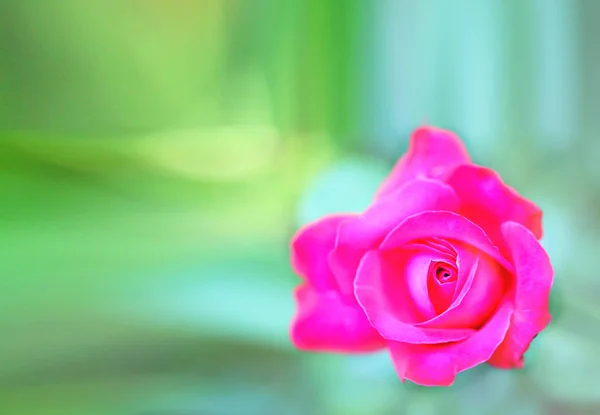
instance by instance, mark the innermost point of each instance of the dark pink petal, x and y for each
(326, 322)
(361, 233)
(311, 246)
(437, 365)
(534, 277)
(488, 202)
(432, 152)
(381, 294)
(467, 258)
(445, 225)
(441, 289)
(478, 298)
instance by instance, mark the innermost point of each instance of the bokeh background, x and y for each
(157, 155)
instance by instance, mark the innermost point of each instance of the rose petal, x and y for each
(442, 319)
(437, 365)
(488, 202)
(467, 256)
(415, 272)
(441, 293)
(311, 246)
(361, 233)
(390, 293)
(479, 297)
(442, 246)
(433, 249)
(326, 322)
(534, 278)
(377, 287)
(432, 152)
(447, 225)
(421, 254)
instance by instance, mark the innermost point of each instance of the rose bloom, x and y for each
(444, 269)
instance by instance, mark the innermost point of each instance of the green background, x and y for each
(157, 155)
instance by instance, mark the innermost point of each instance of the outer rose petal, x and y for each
(326, 322)
(432, 152)
(488, 202)
(358, 235)
(437, 365)
(534, 277)
(376, 283)
(311, 246)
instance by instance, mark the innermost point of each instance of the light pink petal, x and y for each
(437, 365)
(327, 322)
(419, 256)
(442, 246)
(361, 233)
(432, 249)
(415, 271)
(388, 306)
(311, 246)
(534, 277)
(445, 225)
(432, 152)
(382, 283)
(488, 202)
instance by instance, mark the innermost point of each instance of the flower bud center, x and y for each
(444, 275)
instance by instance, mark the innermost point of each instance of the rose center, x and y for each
(444, 275)
(441, 285)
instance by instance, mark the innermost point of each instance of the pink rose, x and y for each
(444, 269)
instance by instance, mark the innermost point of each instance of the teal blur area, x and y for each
(157, 156)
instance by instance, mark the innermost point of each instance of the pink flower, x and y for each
(444, 269)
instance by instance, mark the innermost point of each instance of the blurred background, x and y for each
(156, 156)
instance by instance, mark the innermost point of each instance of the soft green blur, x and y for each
(156, 156)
